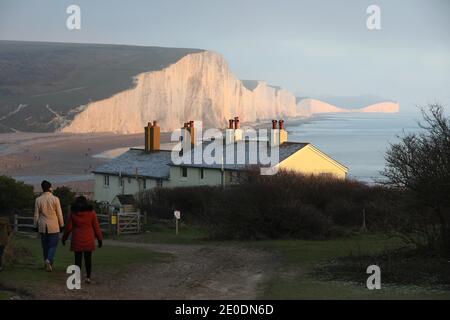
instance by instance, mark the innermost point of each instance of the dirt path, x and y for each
(196, 272)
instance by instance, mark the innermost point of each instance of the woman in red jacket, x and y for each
(84, 226)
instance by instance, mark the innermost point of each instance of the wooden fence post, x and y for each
(139, 222)
(16, 223)
(117, 224)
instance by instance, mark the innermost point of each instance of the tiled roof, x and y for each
(147, 164)
(157, 164)
(255, 154)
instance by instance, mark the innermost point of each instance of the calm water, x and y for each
(358, 141)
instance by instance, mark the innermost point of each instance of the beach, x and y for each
(67, 159)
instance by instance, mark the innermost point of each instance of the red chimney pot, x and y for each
(274, 124)
(236, 123)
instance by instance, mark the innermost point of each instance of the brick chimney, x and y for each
(283, 133)
(147, 136)
(237, 124)
(229, 132)
(188, 136)
(191, 130)
(274, 134)
(274, 124)
(277, 134)
(152, 137)
(237, 129)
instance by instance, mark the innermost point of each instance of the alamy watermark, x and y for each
(73, 282)
(373, 21)
(237, 148)
(374, 280)
(73, 21)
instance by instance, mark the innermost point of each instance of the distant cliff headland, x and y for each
(85, 88)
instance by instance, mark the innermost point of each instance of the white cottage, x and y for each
(142, 169)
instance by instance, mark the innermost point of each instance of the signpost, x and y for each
(177, 215)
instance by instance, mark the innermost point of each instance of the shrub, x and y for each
(14, 195)
(66, 197)
(287, 205)
(419, 165)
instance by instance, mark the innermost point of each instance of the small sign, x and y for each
(177, 214)
(114, 219)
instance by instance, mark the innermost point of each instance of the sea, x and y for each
(357, 140)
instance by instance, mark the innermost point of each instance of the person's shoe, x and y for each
(48, 266)
(88, 280)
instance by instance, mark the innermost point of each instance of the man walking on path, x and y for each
(48, 219)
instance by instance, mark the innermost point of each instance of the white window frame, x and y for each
(106, 181)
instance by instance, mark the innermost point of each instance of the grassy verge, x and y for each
(26, 273)
(419, 268)
(161, 231)
(5, 295)
(299, 279)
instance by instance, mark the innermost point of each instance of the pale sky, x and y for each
(309, 47)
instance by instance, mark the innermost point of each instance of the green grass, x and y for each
(4, 295)
(28, 272)
(164, 232)
(296, 279)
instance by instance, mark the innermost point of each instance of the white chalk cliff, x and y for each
(314, 106)
(199, 86)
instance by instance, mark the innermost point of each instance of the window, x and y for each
(106, 181)
(202, 173)
(144, 184)
(184, 172)
(159, 183)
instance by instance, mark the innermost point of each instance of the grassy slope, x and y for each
(65, 76)
(296, 281)
(29, 271)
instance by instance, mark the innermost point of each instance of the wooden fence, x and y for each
(125, 224)
(129, 223)
(23, 224)
(104, 220)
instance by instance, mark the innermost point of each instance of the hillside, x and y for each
(42, 84)
(86, 88)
